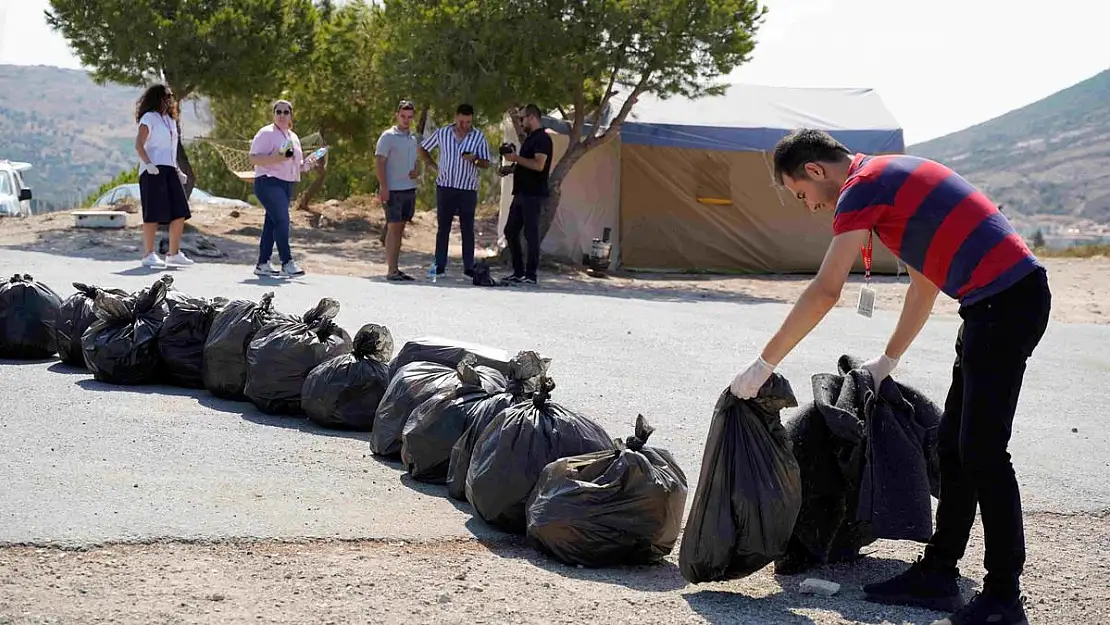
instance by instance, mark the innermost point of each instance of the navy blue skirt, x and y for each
(163, 196)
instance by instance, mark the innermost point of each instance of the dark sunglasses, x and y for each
(283, 112)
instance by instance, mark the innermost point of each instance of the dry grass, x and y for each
(1088, 250)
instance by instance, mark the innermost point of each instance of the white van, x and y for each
(15, 195)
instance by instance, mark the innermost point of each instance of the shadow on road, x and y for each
(246, 410)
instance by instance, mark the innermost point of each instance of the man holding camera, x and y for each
(530, 191)
(462, 152)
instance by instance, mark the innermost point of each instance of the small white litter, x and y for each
(814, 586)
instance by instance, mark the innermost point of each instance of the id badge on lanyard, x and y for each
(866, 304)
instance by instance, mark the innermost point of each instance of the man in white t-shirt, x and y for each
(395, 157)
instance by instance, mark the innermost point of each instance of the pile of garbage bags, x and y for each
(182, 335)
(412, 385)
(224, 368)
(623, 506)
(343, 392)
(857, 464)
(869, 464)
(512, 451)
(749, 491)
(121, 346)
(29, 313)
(284, 352)
(77, 313)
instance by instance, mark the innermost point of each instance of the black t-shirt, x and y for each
(529, 181)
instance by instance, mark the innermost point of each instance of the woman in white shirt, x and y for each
(161, 183)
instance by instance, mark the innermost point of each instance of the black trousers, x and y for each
(449, 203)
(524, 215)
(996, 338)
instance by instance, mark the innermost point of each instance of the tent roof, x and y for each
(754, 117)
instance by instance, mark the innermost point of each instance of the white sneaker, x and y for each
(179, 260)
(265, 269)
(291, 269)
(153, 260)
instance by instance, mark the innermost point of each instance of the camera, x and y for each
(506, 148)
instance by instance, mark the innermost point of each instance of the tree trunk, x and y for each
(184, 164)
(555, 185)
(422, 122)
(314, 188)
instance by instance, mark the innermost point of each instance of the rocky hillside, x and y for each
(1046, 162)
(77, 134)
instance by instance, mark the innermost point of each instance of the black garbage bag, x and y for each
(610, 508)
(868, 464)
(412, 385)
(75, 316)
(450, 353)
(225, 351)
(183, 334)
(285, 351)
(511, 453)
(344, 392)
(121, 346)
(749, 490)
(435, 426)
(526, 372)
(29, 314)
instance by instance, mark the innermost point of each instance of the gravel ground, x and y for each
(211, 492)
(463, 582)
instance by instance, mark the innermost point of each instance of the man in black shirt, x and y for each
(529, 193)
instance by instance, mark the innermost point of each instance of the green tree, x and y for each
(335, 92)
(211, 47)
(573, 56)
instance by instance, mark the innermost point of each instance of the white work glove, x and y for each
(183, 177)
(150, 168)
(747, 383)
(880, 368)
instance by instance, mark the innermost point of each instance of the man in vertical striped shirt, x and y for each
(463, 150)
(953, 239)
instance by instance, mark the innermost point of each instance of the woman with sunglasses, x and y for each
(278, 163)
(161, 183)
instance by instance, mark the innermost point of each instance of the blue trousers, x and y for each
(276, 195)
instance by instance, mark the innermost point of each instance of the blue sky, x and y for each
(939, 66)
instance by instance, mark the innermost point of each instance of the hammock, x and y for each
(236, 153)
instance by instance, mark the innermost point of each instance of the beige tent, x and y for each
(687, 185)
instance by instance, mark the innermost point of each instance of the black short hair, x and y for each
(464, 109)
(806, 145)
(533, 110)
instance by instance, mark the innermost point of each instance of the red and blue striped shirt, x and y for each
(936, 222)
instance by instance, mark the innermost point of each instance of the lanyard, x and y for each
(170, 128)
(866, 251)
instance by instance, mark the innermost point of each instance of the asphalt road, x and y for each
(84, 462)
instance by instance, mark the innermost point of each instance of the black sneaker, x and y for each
(986, 609)
(919, 586)
(513, 279)
(528, 281)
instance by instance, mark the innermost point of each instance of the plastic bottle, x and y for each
(432, 273)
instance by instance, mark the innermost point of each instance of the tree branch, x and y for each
(579, 115)
(606, 96)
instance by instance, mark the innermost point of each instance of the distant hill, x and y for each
(76, 134)
(1048, 159)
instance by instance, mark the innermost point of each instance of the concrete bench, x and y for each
(99, 219)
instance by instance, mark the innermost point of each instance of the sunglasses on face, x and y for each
(283, 112)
